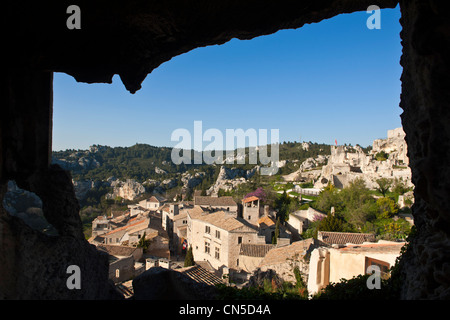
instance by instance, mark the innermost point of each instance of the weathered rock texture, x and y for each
(131, 39)
(346, 164)
(228, 179)
(129, 189)
(425, 100)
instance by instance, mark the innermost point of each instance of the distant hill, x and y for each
(142, 162)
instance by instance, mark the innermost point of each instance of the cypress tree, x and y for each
(277, 232)
(189, 259)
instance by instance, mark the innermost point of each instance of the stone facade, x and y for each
(215, 237)
(252, 210)
(284, 259)
(301, 219)
(328, 265)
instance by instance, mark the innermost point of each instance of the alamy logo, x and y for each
(258, 139)
(74, 280)
(374, 280)
(374, 21)
(74, 20)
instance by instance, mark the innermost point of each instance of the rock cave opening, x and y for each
(119, 45)
(102, 95)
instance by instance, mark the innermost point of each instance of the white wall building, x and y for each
(216, 238)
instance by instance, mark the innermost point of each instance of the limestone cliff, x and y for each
(229, 179)
(129, 189)
(348, 163)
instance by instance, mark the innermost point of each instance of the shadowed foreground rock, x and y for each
(163, 284)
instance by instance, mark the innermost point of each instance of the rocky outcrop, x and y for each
(348, 163)
(309, 169)
(190, 180)
(394, 145)
(53, 255)
(229, 178)
(160, 171)
(129, 189)
(259, 279)
(27, 206)
(34, 263)
(134, 40)
(83, 187)
(79, 160)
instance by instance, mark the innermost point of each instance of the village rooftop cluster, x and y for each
(230, 242)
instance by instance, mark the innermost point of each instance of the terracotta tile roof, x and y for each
(181, 215)
(156, 199)
(255, 250)
(161, 208)
(158, 253)
(378, 247)
(265, 222)
(222, 220)
(282, 254)
(345, 237)
(125, 227)
(249, 199)
(118, 250)
(132, 220)
(214, 201)
(200, 275)
(126, 288)
(205, 264)
(195, 212)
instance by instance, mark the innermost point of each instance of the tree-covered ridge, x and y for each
(137, 162)
(140, 161)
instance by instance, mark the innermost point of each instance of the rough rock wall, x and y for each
(34, 265)
(132, 39)
(395, 145)
(130, 189)
(425, 100)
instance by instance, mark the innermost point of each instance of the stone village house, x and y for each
(123, 262)
(331, 264)
(215, 237)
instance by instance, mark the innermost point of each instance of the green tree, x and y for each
(143, 243)
(189, 259)
(277, 232)
(381, 156)
(331, 223)
(203, 193)
(383, 185)
(282, 204)
(386, 208)
(300, 284)
(399, 187)
(328, 198)
(354, 195)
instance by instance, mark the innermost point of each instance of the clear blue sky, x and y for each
(331, 80)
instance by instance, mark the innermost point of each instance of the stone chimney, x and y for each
(174, 209)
